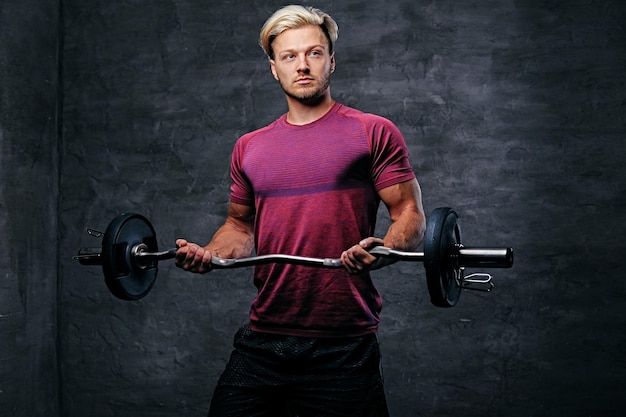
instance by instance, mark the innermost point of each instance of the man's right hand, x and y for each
(193, 257)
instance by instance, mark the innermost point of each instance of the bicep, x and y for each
(405, 197)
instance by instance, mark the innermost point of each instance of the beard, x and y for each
(308, 95)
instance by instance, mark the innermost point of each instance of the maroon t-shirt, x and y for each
(314, 189)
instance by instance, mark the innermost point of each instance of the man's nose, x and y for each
(303, 64)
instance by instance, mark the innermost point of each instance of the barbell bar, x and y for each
(129, 257)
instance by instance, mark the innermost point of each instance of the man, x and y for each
(309, 184)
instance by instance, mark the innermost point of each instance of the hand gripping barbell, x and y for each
(129, 256)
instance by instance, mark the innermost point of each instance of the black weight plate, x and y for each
(442, 234)
(124, 278)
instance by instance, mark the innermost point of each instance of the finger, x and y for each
(202, 261)
(205, 262)
(181, 255)
(371, 242)
(350, 261)
(347, 264)
(196, 262)
(188, 254)
(358, 258)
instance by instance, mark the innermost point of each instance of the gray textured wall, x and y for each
(513, 114)
(28, 207)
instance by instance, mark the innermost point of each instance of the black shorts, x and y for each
(285, 376)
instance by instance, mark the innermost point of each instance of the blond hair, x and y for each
(292, 17)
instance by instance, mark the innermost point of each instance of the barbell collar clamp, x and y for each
(478, 281)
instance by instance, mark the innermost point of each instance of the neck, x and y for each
(302, 113)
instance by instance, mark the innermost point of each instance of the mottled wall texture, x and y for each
(513, 111)
(29, 175)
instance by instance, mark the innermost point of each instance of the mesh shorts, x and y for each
(288, 376)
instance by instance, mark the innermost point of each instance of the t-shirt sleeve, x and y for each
(390, 155)
(241, 191)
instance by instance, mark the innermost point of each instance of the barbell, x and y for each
(129, 258)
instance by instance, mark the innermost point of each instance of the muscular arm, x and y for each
(406, 232)
(234, 239)
(404, 202)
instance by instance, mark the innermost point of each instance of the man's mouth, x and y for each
(304, 81)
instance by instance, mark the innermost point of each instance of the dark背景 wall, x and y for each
(28, 207)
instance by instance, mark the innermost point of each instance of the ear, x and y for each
(273, 68)
(332, 63)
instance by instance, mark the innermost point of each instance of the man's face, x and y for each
(302, 63)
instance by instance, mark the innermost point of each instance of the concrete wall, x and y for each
(513, 112)
(29, 171)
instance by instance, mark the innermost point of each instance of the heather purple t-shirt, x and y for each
(314, 189)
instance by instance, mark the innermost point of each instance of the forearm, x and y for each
(408, 222)
(232, 240)
(235, 239)
(407, 232)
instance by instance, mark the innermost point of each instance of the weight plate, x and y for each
(442, 274)
(123, 276)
